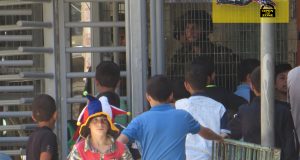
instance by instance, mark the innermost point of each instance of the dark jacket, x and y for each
(246, 124)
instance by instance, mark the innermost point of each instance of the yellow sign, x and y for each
(251, 13)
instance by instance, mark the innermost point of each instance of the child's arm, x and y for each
(45, 156)
(209, 134)
(123, 138)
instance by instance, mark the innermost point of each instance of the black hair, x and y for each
(196, 75)
(246, 67)
(43, 107)
(108, 74)
(206, 62)
(179, 90)
(159, 87)
(255, 78)
(198, 17)
(283, 67)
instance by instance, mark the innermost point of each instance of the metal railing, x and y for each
(238, 150)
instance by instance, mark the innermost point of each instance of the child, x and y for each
(247, 123)
(161, 131)
(205, 110)
(98, 134)
(42, 142)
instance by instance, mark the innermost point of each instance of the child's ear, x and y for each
(187, 86)
(171, 99)
(33, 118)
(118, 84)
(54, 116)
(96, 82)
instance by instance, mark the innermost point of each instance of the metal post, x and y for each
(63, 67)
(153, 37)
(267, 83)
(160, 37)
(298, 31)
(136, 39)
(115, 31)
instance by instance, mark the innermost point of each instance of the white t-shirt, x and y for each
(208, 113)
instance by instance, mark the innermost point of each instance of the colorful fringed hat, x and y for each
(93, 109)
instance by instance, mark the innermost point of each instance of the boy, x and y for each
(247, 125)
(244, 70)
(205, 110)
(162, 130)
(42, 144)
(281, 72)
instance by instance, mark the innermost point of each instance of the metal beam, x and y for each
(14, 152)
(95, 24)
(15, 12)
(88, 74)
(36, 49)
(16, 63)
(16, 88)
(160, 37)
(17, 38)
(7, 140)
(15, 114)
(18, 127)
(36, 75)
(21, 101)
(93, 0)
(15, 28)
(17, 53)
(95, 49)
(34, 24)
(153, 37)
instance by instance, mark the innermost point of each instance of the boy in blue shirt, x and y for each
(162, 130)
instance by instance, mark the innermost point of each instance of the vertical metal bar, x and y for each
(298, 32)
(115, 31)
(95, 39)
(160, 37)
(116, 35)
(49, 39)
(153, 37)
(267, 83)
(63, 9)
(136, 46)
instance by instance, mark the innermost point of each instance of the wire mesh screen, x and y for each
(190, 33)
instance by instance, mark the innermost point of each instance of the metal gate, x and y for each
(27, 67)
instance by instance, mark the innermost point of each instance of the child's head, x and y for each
(93, 117)
(255, 81)
(108, 74)
(281, 72)
(159, 88)
(179, 91)
(43, 108)
(246, 67)
(196, 77)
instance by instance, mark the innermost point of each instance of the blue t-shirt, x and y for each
(161, 132)
(243, 90)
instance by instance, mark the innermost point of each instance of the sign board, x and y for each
(251, 13)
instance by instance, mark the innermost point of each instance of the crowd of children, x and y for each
(182, 120)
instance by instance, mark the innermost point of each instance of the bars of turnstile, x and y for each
(238, 150)
(27, 67)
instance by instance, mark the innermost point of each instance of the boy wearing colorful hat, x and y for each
(98, 133)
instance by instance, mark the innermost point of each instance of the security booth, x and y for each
(54, 46)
